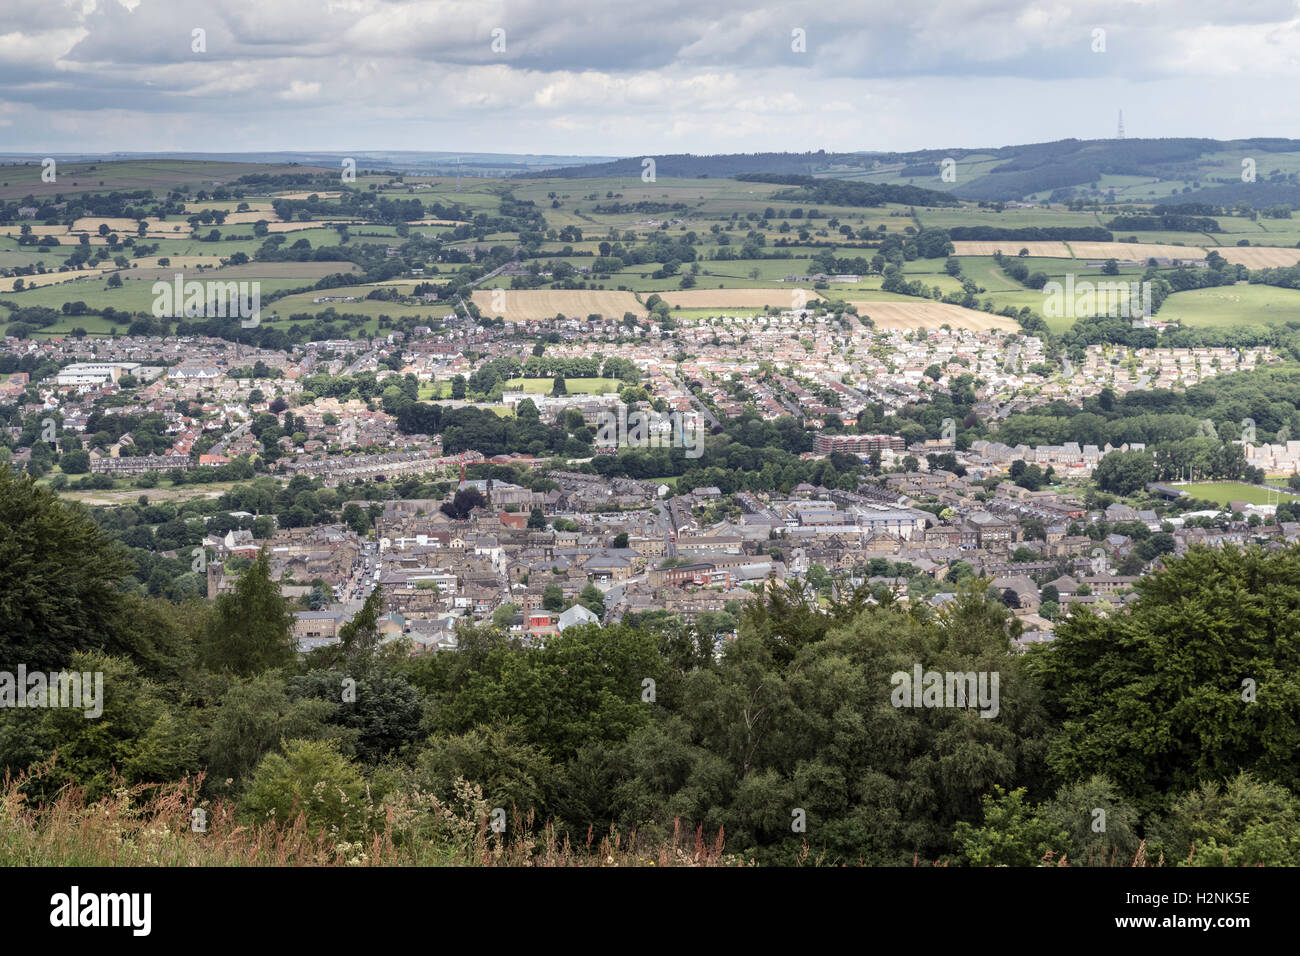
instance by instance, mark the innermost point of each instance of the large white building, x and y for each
(94, 373)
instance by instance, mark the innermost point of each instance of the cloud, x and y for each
(635, 78)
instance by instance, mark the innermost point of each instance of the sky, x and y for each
(637, 77)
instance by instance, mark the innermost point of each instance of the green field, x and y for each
(135, 295)
(1221, 492)
(17, 182)
(1233, 305)
(575, 386)
(721, 213)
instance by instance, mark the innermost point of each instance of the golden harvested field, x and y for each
(887, 315)
(788, 298)
(243, 218)
(1097, 250)
(37, 230)
(1042, 250)
(524, 305)
(115, 224)
(70, 235)
(1257, 257)
(59, 232)
(255, 205)
(931, 315)
(1135, 250)
(156, 228)
(52, 278)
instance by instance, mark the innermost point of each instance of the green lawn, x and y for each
(1233, 305)
(1221, 492)
(575, 386)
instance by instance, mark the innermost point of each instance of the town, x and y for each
(441, 436)
(547, 540)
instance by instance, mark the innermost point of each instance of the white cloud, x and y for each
(616, 77)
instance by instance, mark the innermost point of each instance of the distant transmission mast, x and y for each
(1120, 133)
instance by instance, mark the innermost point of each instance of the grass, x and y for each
(1233, 305)
(1221, 492)
(164, 491)
(135, 295)
(705, 202)
(157, 174)
(148, 825)
(575, 386)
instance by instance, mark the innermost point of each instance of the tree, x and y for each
(1102, 828)
(360, 636)
(536, 520)
(558, 387)
(526, 411)
(249, 629)
(578, 688)
(553, 597)
(139, 736)
(59, 576)
(1164, 700)
(458, 387)
(1248, 822)
(375, 713)
(254, 716)
(355, 517)
(1012, 833)
(75, 462)
(311, 778)
(462, 503)
(1124, 472)
(819, 578)
(620, 540)
(504, 615)
(514, 773)
(591, 598)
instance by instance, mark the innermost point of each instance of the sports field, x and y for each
(573, 386)
(1222, 492)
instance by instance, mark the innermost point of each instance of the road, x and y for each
(352, 369)
(704, 409)
(220, 447)
(360, 579)
(790, 406)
